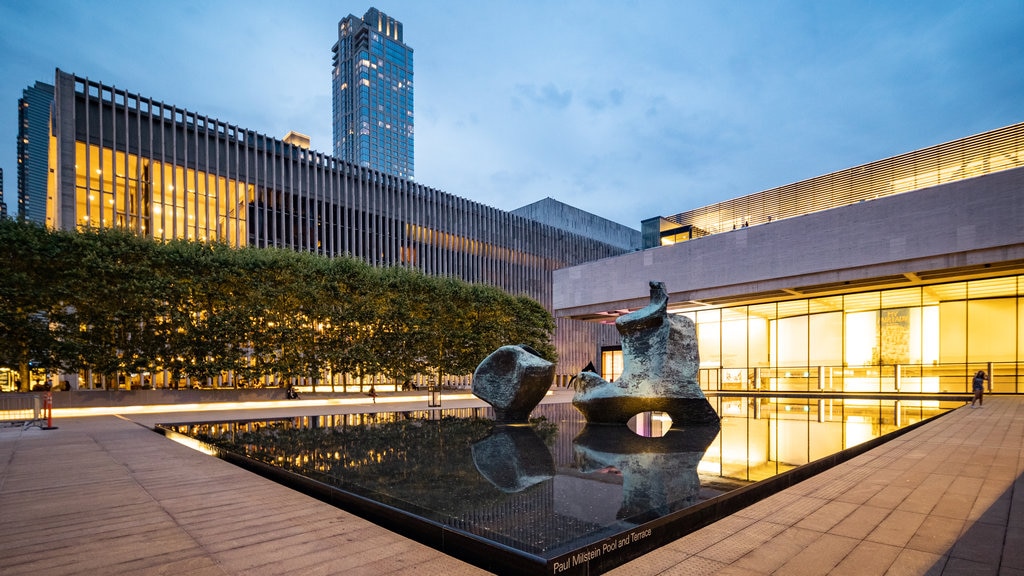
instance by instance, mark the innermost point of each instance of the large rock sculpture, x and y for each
(660, 363)
(513, 380)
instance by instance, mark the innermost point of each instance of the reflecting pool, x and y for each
(555, 496)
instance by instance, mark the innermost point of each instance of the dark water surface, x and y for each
(555, 495)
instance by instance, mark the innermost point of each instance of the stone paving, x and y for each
(106, 495)
(946, 498)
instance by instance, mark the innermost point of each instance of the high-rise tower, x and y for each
(3, 205)
(33, 151)
(373, 96)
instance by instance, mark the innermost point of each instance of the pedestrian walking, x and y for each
(978, 387)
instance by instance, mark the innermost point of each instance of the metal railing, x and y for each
(1004, 378)
(20, 410)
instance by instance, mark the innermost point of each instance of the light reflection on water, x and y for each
(765, 436)
(557, 485)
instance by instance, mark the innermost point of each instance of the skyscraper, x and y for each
(33, 149)
(373, 96)
(3, 205)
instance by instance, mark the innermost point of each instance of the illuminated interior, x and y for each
(160, 200)
(467, 245)
(922, 339)
(985, 153)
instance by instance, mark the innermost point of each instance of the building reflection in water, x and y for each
(765, 436)
(557, 484)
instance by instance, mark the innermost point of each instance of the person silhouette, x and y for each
(978, 387)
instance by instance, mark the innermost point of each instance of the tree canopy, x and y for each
(115, 303)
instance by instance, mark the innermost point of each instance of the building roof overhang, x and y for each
(965, 230)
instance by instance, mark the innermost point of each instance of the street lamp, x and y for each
(433, 396)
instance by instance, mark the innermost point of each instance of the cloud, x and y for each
(612, 99)
(626, 109)
(548, 96)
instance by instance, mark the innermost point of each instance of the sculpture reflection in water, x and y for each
(513, 458)
(659, 475)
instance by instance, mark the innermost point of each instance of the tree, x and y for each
(534, 326)
(401, 302)
(32, 296)
(347, 285)
(206, 309)
(115, 305)
(118, 304)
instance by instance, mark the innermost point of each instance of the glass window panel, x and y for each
(734, 338)
(758, 341)
(93, 167)
(792, 341)
(826, 339)
(991, 337)
(107, 185)
(929, 335)
(156, 209)
(709, 338)
(81, 183)
(166, 188)
(178, 220)
(81, 174)
(953, 332)
(894, 335)
(199, 178)
(1020, 330)
(611, 364)
(862, 338)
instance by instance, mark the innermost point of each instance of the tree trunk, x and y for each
(25, 375)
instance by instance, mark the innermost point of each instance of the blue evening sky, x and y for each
(627, 109)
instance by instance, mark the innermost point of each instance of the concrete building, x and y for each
(905, 274)
(554, 213)
(373, 94)
(123, 160)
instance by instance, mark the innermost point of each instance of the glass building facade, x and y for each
(923, 339)
(33, 149)
(977, 155)
(900, 276)
(122, 160)
(373, 94)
